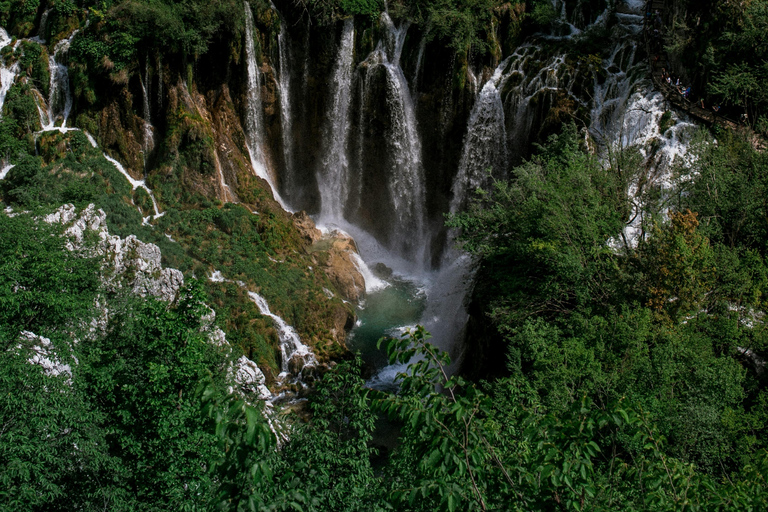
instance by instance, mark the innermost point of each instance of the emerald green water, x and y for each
(386, 312)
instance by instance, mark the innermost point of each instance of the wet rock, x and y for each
(340, 267)
(382, 271)
(306, 227)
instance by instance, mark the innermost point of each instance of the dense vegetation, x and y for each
(722, 49)
(632, 379)
(608, 373)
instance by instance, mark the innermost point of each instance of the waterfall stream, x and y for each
(370, 174)
(59, 95)
(284, 84)
(485, 152)
(333, 178)
(149, 130)
(254, 119)
(7, 73)
(291, 347)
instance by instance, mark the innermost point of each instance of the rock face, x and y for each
(342, 269)
(250, 379)
(128, 262)
(43, 354)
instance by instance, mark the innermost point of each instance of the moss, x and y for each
(666, 121)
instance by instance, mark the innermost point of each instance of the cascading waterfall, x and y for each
(284, 85)
(134, 183)
(59, 96)
(540, 86)
(333, 178)
(419, 61)
(254, 122)
(405, 174)
(610, 97)
(43, 24)
(59, 107)
(484, 144)
(149, 130)
(291, 346)
(7, 73)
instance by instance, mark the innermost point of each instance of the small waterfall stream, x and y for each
(59, 96)
(149, 130)
(7, 73)
(284, 85)
(291, 347)
(484, 153)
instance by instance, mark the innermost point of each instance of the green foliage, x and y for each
(131, 28)
(723, 46)
(49, 445)
(43, 287)
(18, 16)
(556, 215)
(463, 448)
(331, 456)
(543, 13)
(21, 107)
(663, 325)
(33, 62)
(142, 375)
(464, 24)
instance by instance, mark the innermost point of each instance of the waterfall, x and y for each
(284, 84)
(59, 95)
(484, 144)
(254, 122)
(226, 191)
(133, 181)
(7, 73)
(406, 180)
(43, 24)
(403, 170)
(149, 130)
(290, 345)
(159, 83)
(4, 171)
(333, 178)
(610, 97)
(419, 61)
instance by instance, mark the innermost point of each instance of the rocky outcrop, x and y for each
(131, 264)
(250, 379)
(128, 262)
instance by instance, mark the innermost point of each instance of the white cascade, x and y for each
(228, 194)
(419, 62)
(284, 85)
(4, 171)
(372, 283)
(7, 73)
(254, 122)
(405, 177)
(333, 178)
(59, 95)
(133, 181)
(149, 130)
(43, 24)
(484, 144)
(290, 344)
